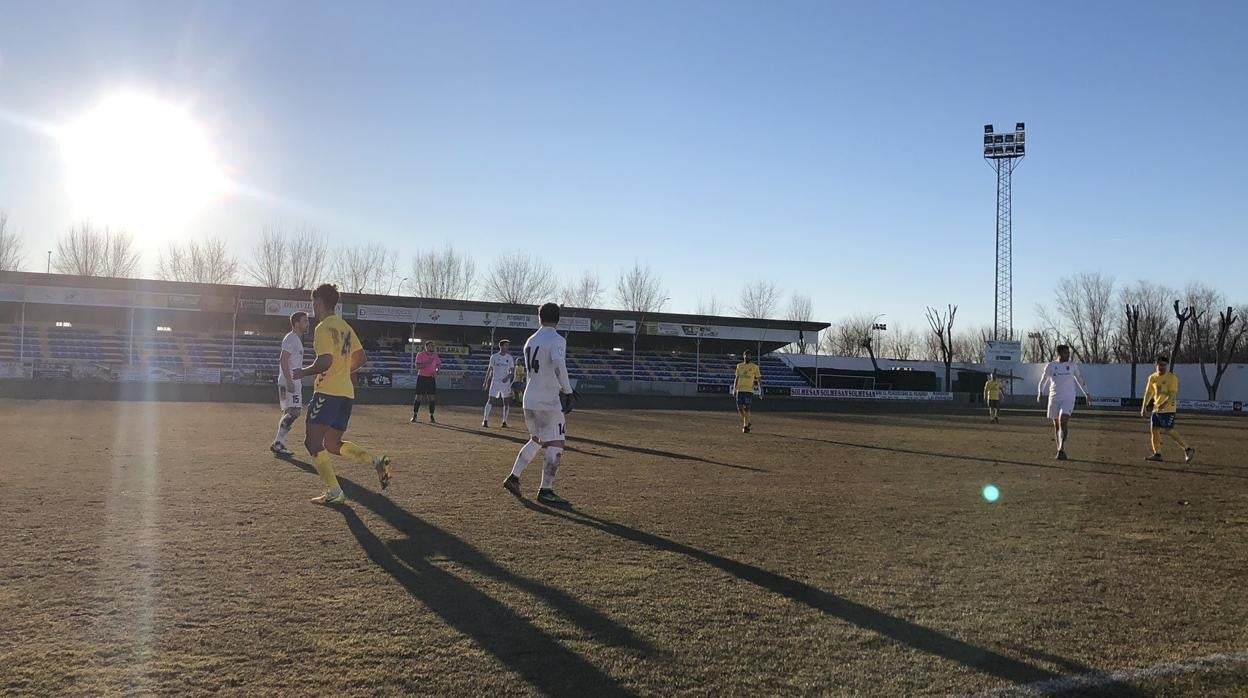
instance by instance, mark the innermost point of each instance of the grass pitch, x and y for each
(157, 548)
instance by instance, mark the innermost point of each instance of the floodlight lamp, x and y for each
(998, 138)
(987, 139)
(1019, 126)
(1019, 149)
(987, 128)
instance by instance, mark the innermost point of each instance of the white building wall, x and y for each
(1104, 380)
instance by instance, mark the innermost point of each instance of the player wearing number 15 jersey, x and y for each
(338, 354)
(545, 362)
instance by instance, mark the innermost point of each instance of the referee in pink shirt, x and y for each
(427, 364)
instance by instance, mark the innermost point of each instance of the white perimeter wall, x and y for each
(1104, 380)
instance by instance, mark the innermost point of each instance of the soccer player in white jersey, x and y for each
(547, 397)
(498, 378)
(289, 390)
(1062, 376)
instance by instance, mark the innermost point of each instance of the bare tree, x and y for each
(1085, 303)
(710, 306)
(1152, 301)
(1130, 339)
(640, 289)
(269, 264)
(11, 255)
(1038, 348)
(758, 300)
(309, 255)
(365, 268)
(1205, 303)
(444, 273)
(585, 292)
(519, 278)
(970, 343)
(942, 327)
(88, 251)
(207, 262)
(846, 336)
(1182, 317)
(903, 343)
(801, 310)
(1218, 345)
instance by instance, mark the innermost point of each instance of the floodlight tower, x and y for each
(1002, 151)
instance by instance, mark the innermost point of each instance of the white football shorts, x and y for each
(501, 391)
(545, 425)
(1061, 405)
(290, 399)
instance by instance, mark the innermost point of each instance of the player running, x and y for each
(498, 380)
(289, 390)
(338, 354)
(547, 398)
(427, 364)
(1062, 376)
(992, 393)
(1163, 392)
(748, 375)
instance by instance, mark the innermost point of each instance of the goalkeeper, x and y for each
(548, 397)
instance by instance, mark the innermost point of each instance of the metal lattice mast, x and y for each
(1002, 152)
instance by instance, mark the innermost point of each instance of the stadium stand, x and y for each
(178, 351)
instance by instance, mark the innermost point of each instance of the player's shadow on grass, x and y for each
(1026, 464)
(519, 440)
(898, 629)
(665, 454)
(542, 661)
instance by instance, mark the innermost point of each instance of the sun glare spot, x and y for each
(140, 162)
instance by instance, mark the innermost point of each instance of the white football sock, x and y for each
(489, 407)
(506, 410)
(551, 467)
(526, 455)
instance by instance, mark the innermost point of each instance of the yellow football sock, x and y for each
(353, 452)
(1178, 439)
(325, 468)
(1155, 437)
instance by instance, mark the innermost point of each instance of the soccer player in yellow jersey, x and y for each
(992, 393)
(748, 375)
(338, 354)
(1163, 393)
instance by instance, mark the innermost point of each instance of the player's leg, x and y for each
(314, 440)
(489, 407)
(433, 404)
(1064, 431)
(1154, 439)
(352, 451)
(505, 398)
(526, 455)
(1168, 427)
(416, 405)
(284, 426)
(553, 440)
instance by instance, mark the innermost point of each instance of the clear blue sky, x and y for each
(832, 147)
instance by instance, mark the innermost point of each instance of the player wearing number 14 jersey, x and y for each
(545, 362)
(338, 354)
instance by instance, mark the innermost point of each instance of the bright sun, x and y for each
(138, 162)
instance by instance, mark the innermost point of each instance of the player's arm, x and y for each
(489, 372)
(1079, 382)
(758, 380)
(284, 363)
(1150, 391)
(358, 359)
(1045, 377)
(559, 357)
(321, 365)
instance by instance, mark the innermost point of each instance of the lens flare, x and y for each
(991, 493)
